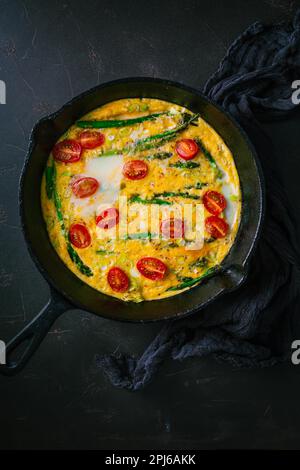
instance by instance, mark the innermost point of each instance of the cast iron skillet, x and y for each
(67, 290)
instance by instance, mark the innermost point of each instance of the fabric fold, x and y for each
(251, 327)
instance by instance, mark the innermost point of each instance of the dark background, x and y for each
(49, 52)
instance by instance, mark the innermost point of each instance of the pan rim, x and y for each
(165, 82)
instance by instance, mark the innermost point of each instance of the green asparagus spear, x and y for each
(210, 158)
(49, 175)
(187, 119)
(192, 281)
(57, 203)
(83, 268)
(186, 165)
(93, 124)
(177, 194)
(136, 198)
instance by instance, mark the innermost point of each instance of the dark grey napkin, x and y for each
(252, 326)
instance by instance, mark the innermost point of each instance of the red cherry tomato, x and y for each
(216, 226)
(117, 279)
(172, 228)
(67, 151)
(151, 268)
(187, 148)
(85, 186)
(214, 202)
(91, 139)
(79, 236)
(108, 218)
(135, 169)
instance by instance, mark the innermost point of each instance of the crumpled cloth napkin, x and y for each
(253, 326)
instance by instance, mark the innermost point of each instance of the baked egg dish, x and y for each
(141, 199)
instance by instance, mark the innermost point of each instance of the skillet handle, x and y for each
(34, 333)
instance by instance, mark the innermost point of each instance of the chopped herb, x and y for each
(177, 194)
(173, 245)
(124, 131)
(138, 199)
(233, 197)
(117, 123)
(133, 107)
(104, 252)
(186, 165)
(198, 185)
(193, 281)
(50, 222)
(209, 240)
(199, 263)
(144, 107)
(159, 156)
(139, 236)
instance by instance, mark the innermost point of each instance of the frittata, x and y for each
(147, 159)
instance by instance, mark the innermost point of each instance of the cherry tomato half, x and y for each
(216, 226)
(151, 268)
(108, 218)
(67, 151)
(91, 139)
(172, 228)
(117, 279)
(135, 169)
(187, 148)
(79, 236)
(85, 186)
(214, 202)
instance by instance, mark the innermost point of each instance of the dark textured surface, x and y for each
(255, 326)
(50, 52)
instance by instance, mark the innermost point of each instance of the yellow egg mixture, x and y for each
(170, 180)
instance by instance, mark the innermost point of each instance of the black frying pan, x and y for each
(67, 290)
